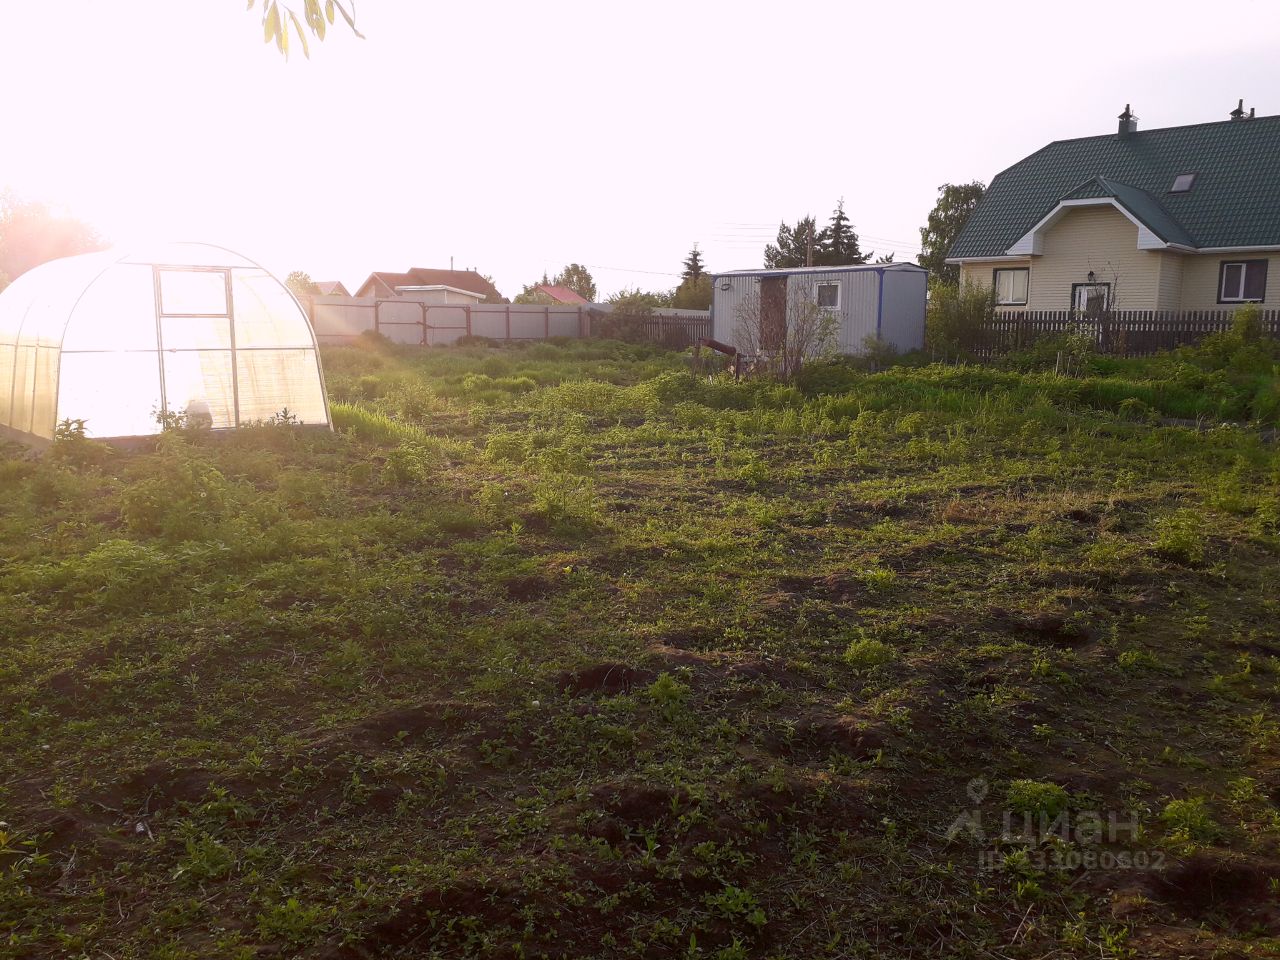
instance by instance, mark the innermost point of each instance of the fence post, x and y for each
(467, 309)
(546, 323)
(508, 337)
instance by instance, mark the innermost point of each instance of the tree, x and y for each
(804, 245)
(887, 258)
(531, 294)
(278, 18)
(796, 246)
(955, 316)
(693, 266)
(31, 234)
(635, 300)
(949, 214)
(578, 279)
(693, 294)
(787, 330)
(840, 247)
(694, 291)
(301, 284)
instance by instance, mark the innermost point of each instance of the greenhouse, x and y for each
(128, 341)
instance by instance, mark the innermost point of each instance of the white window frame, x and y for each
(995, 282)
(817, 297)
(1238, 296)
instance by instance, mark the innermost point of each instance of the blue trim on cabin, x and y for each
(880, 302)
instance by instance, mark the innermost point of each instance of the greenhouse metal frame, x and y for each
(128, 342)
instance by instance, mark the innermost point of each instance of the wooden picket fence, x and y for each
(1125, 333)
(670, 328)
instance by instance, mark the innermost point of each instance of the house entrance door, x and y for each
(773, 313)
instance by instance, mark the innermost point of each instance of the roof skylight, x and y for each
(1182, 183)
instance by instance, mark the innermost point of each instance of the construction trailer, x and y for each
(885, 301)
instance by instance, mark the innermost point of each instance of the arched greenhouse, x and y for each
(119, 340)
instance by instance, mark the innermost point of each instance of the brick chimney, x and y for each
(1128, 123)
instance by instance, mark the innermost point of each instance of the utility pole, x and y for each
(808, 247)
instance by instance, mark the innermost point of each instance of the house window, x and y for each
(1242, 281)
(1090, 300)
(1183, 183)
(1011, 286)
(829, 296)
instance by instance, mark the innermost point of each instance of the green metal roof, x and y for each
(1234, 202)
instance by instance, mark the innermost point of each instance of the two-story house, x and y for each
(1180, 218)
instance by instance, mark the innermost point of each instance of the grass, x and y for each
(560, 651)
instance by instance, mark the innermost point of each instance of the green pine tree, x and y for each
(841, 246)
(795, 245)
(693, 266)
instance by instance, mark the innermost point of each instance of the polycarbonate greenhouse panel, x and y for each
(117, 394)
(197, 385)
(116, 312)
(272, 381)
(118, 340)
(266, 315)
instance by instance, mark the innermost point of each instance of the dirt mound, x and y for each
(161, 785)
(1222, 890)
(638, 803)
(818, 736)
(400, 723)
(606, 678)
(1039, 626)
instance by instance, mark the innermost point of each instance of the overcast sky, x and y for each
(516, 137)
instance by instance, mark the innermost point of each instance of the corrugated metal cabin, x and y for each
(884, 300)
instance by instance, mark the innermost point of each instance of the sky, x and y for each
(518, 137)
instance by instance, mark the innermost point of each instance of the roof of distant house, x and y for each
(1234, 199)
(560, 293)
(331, 288)
(424, 277)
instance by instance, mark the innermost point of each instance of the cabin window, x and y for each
(1011, 286)
(829, 296)
(1242, 281)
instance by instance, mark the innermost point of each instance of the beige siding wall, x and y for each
(1200, 280)
(1100, 239)
(1103, 240)
(1169, 293)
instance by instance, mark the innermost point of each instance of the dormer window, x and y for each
(1182, 183)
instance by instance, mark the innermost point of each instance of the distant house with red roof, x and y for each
(557, 293)
(468, 283)
(331, 288)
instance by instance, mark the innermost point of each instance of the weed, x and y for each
(1189, 821)
(1037, 797)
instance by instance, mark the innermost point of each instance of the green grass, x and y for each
(559, 650)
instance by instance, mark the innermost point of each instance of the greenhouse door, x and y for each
(194, 321)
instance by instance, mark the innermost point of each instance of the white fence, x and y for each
(408, 321)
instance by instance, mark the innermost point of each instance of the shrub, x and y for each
(408, 463)
(955, 316)
(184, 497)
(1037, 797)
(1189, 820)
(867, 652)
(1246, 323)
(668, 694)
(1181, 537)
